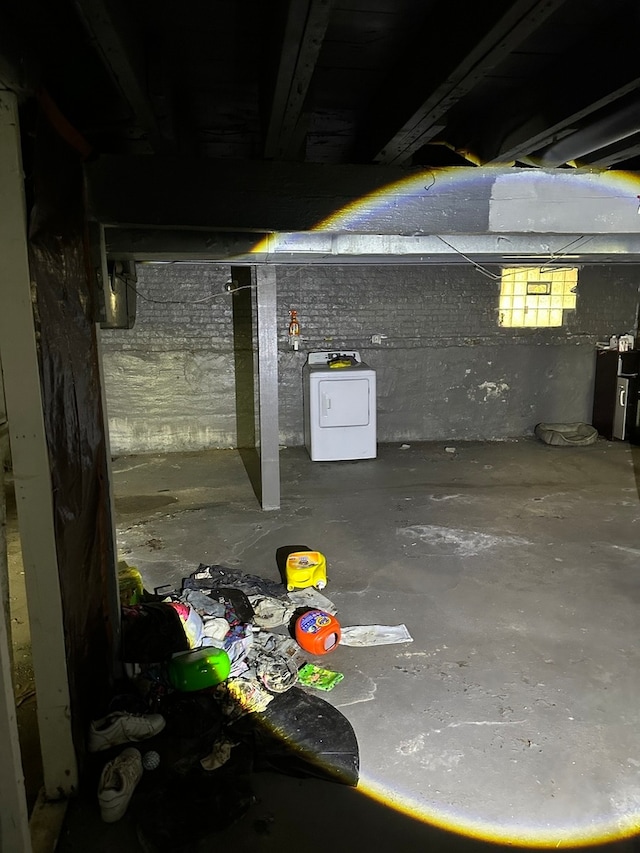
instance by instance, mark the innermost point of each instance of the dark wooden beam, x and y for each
(14, 76)
(483, 43)
(278, 196)
(112, 34)
(20, 58)
(304, 31)
(340, 201)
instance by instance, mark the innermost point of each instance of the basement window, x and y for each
(536, 297)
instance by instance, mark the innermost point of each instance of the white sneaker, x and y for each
(118, 781)
(121, 727)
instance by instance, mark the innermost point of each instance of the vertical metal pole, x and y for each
(268, 386)
(112, 583)
(32, 476)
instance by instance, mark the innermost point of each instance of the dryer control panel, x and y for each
(326, 357)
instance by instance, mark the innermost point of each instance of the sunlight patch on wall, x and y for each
(536, 297)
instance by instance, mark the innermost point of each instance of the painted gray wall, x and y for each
(446, 370)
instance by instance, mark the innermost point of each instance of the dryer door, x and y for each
(344, 402)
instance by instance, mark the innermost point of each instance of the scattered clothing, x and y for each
(221, 576)
(276, 672)
(206, 605)
(215, 628)
(237, 645)
(269, 612)
(310, 597)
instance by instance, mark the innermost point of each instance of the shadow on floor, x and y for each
(288, 814)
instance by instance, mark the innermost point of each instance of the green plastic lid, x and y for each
(199, 669)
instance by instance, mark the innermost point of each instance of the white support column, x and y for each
(112, 585)
(32, 476)
(268, 386)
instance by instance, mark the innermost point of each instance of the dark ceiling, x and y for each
(403, 82)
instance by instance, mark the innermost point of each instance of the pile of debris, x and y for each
(219, 683)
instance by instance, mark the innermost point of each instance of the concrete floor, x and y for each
(512, 716)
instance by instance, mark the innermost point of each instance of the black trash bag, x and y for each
(235, 601)
(151, 633)
(175, 812)
(302, 735)
(193, 724)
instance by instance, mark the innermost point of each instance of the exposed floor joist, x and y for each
(554, 119)
(517, 22)
(614, 154)
(112, 34)
(304, 31)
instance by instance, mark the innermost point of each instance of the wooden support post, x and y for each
(4, 565)
(32, 476)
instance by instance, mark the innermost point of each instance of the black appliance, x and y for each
(616, 413)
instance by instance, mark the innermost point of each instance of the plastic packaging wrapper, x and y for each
(375, 635)
(249, 695)
(191, 622)
(315, 676)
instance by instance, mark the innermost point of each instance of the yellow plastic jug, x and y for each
(130, 584)
(306, 568)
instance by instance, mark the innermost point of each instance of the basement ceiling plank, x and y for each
(304, 32)
(113, 37)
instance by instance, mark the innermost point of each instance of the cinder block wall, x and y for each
(446, 370)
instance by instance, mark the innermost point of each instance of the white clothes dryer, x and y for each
(339, 393)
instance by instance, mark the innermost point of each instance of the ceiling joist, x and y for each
(304, 31)
(112, 34)
(557, 122)
(460, 72)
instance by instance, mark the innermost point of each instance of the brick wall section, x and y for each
(445, 371)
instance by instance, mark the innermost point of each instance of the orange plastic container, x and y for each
(317, 632)
(306, 568)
